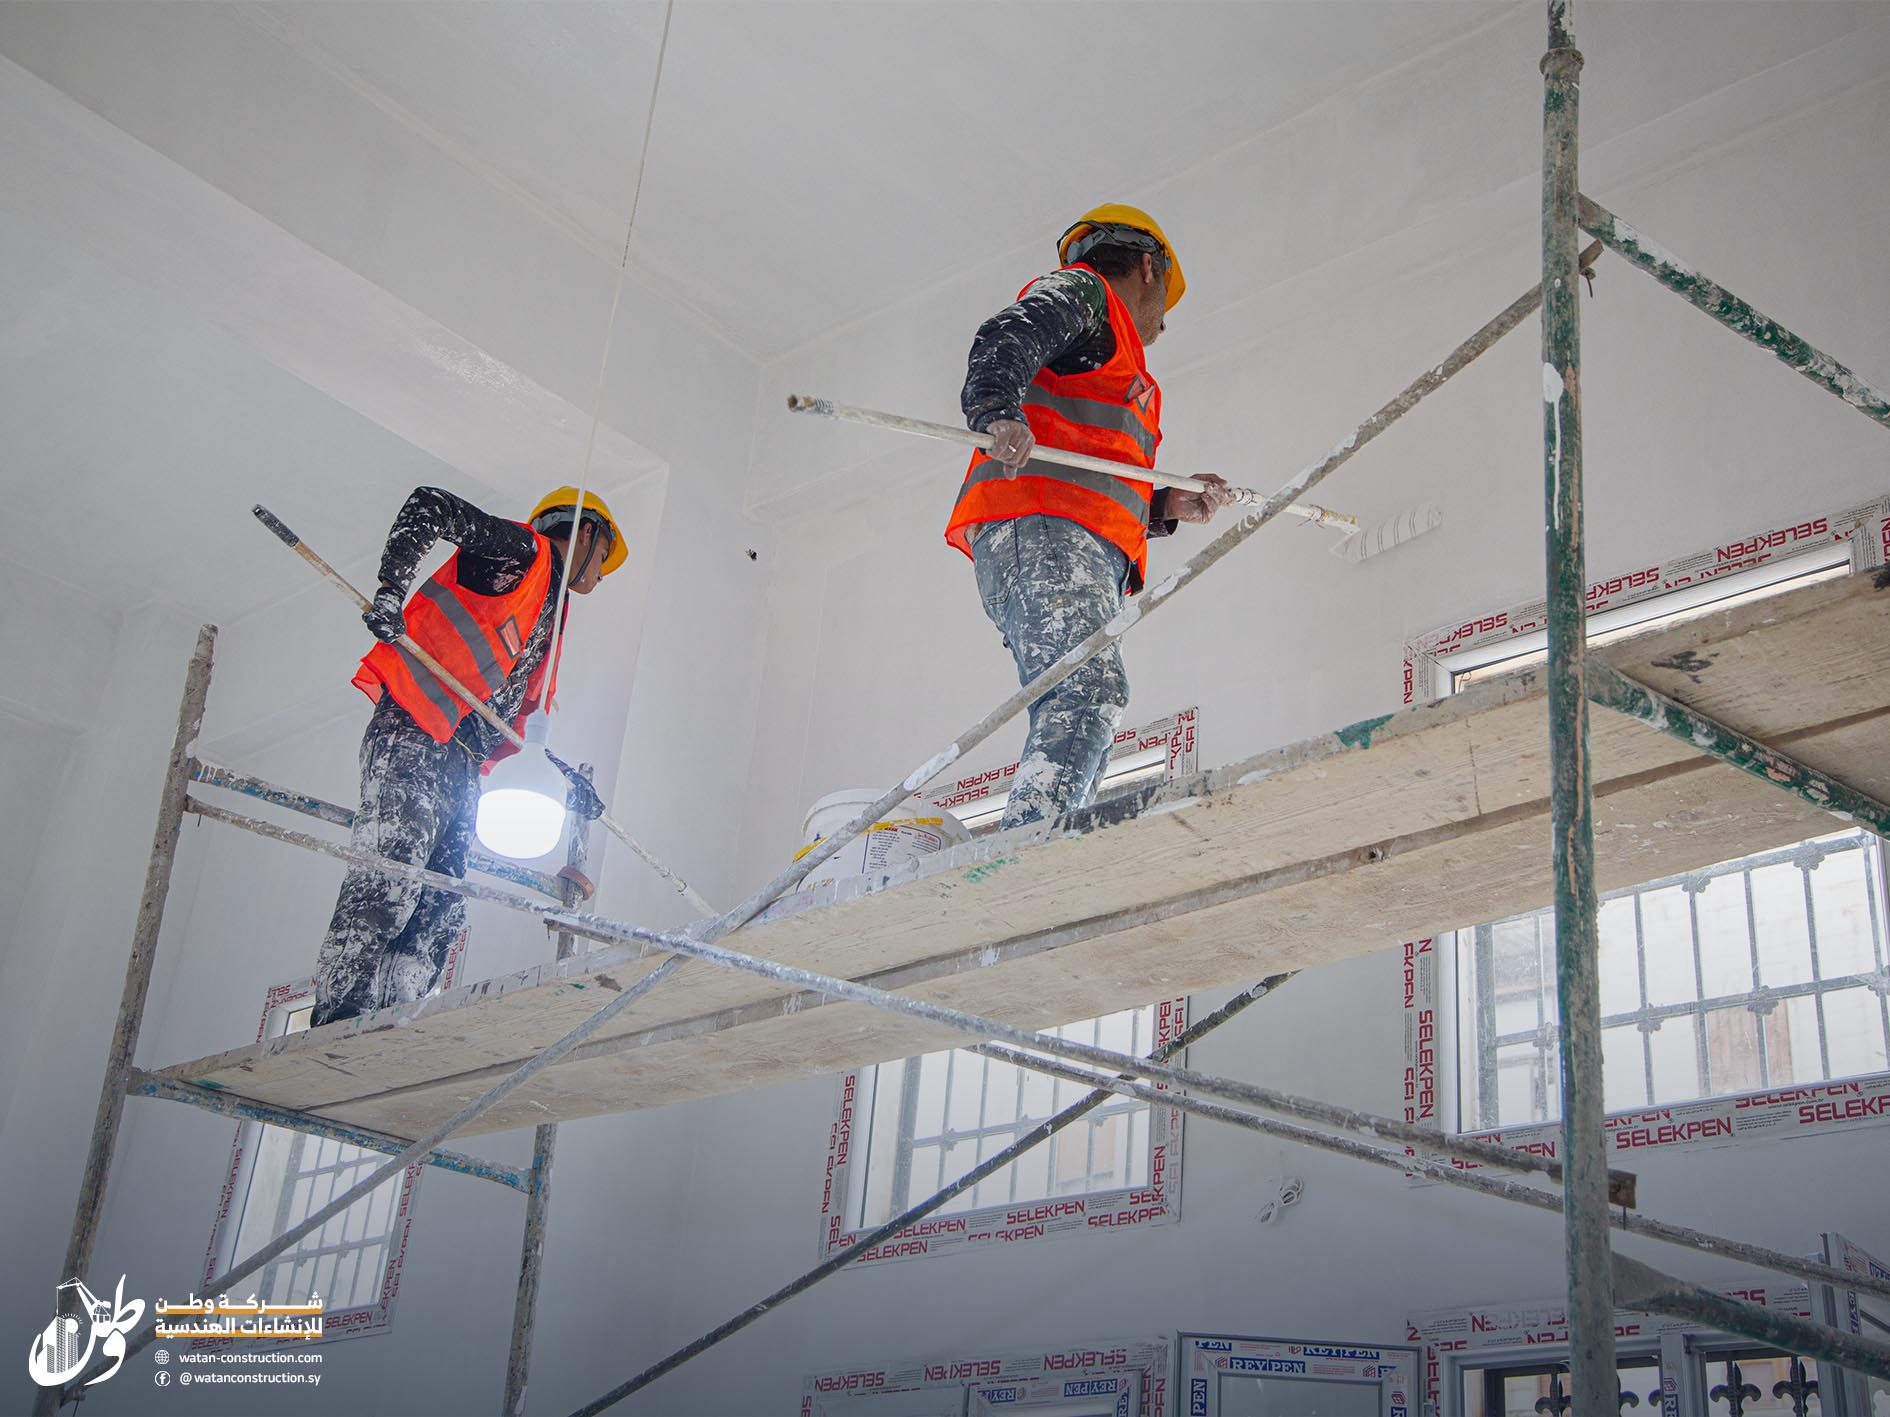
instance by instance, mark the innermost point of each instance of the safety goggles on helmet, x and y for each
(1109, 234)
(603, 532)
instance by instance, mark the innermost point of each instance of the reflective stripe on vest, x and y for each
(1112, 487)
(475, 637)
(1094, 413)
(1112, 412)
(437, 694)
(477, 642)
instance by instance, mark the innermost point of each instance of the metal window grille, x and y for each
(1530, 1389)
(293, 1176)
(932, 1118)
(1757, 972)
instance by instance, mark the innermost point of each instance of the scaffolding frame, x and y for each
(1593, 1199)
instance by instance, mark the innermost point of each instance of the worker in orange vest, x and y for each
(1057, 548)
(487, 616)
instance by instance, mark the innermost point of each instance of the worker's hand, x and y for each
(383, 617)
(1012, 443)
(1200, 506)
(582, 798)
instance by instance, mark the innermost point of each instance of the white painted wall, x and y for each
(878, 652)
(1330, 258)
(455, 342)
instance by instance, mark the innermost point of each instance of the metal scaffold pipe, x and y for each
(322, 810)
(597, 927)
(241, 1109)
(538, 1191)
(964, 437)
(864, 1244)
(144, 940)
(1651, 1291)
(1610, 688)
(1706, 294)
(1137, 610)
(466, 696)
(1571, 787)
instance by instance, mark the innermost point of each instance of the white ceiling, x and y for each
(811, 161)
(239, 239)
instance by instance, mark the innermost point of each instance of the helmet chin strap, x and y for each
(590, 556)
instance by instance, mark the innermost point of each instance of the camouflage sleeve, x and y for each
(1058, 315)
(432, 515)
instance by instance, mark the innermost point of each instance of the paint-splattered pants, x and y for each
(389, 939)
(1047, 584)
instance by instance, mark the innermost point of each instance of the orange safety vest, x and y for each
(477, 638)
(1114, 412)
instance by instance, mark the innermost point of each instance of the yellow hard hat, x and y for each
(565, 500)
(1110, 222)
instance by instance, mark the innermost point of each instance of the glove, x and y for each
(582, 798)
(383, 617)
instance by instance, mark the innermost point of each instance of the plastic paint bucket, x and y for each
(904, 834)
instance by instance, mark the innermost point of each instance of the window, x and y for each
(1761, 1382)
(1526, 1390)
(904, 1131)
(1750, 974)
(1226, 1376)
(278, 1178)
(1104, 1379)
(1162, 749)
(933, 1118)
(923, 1122)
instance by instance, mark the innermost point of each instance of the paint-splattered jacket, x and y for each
(493, 555)
(1060, 322)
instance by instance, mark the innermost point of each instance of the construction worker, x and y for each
(1057, 548)
(487, 617)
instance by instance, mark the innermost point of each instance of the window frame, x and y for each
(353, 1321)
(1156, 1202)
(1394, 1368)
(1647, 1018)
(902, 1385)
(1524, 1335)
(1857, 536)
(977, 799)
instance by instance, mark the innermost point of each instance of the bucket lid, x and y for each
(854, 799)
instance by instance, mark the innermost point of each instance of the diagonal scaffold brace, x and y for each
(608, 931)
(864, 1244)
(1151, 600)
(709, 930)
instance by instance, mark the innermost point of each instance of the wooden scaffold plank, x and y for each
(1428, 819)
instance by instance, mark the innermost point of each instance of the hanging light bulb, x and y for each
(521, 801)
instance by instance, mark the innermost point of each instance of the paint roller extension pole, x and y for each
(439, 671)
(946, 433)
(1133, 613)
